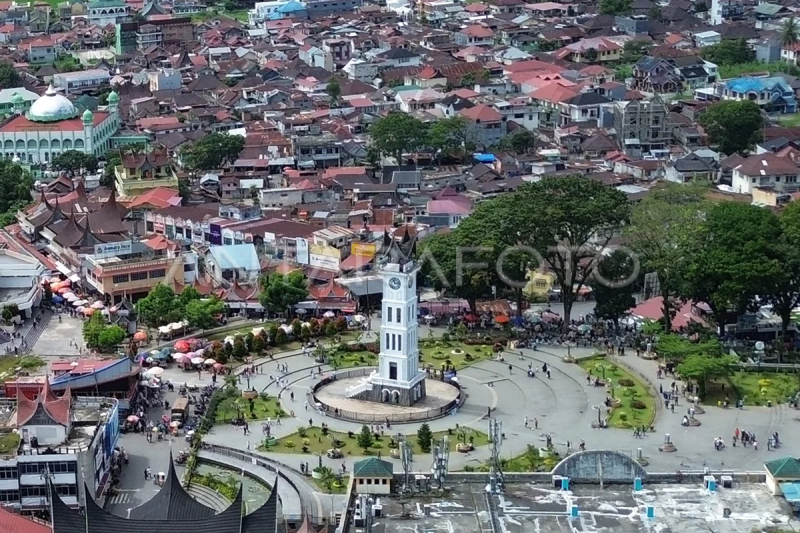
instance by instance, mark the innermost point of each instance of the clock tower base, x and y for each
(394, 394)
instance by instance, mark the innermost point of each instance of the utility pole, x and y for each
(496, 480)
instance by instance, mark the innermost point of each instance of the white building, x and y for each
(263, 10)
(358, 69)
(166, 79)
(19, 280)
(707, 38)
(105, 12)
(52, 126)
(81, 81)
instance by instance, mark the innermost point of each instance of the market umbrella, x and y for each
(501, 319)
(329, 314)
(300, 311)
(64, 290)
(182, 346)
(148, 360)
(98, 305)
(140, 336)
(89, 311)
(80, 309)
(197, 360)
(584, 328)
(164, 329)
(217, 366)
(159, 356)
(133, 419)
(76, 303)
(175, 424)
(209, 361)
(358, 318)
(154, 372)
(179, 357)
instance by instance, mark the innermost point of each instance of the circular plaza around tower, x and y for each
(331, 394)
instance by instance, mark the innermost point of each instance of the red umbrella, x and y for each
(140, 336)
(471, 318)
(182, 346)
(502, 319)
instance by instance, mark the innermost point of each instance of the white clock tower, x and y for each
(399, 379)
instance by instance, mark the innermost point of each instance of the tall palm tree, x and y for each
(790, 32)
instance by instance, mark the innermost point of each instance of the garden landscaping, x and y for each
(755, 388)
(232, 405)
(317, 441)
(633, 405)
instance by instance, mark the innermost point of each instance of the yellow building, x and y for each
(539, 285)
(141, 172)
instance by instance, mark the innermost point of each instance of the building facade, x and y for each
(52, 126)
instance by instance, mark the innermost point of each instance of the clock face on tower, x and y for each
(394, 283)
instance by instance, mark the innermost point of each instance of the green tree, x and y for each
(201, 313)
(468, 79)
(333, 89)
(398, 132)
(734, 126)
(576, 219)
(92, 329)
(521, 141)
(449, 136)
(160, 307)
(615, 7)
(15, 190)
(733, 261)
(661, 233)
(789, 32)
(259, 344)
(189, 294)
(613, 286)
(676, 348)
(74, 162)
(425, 438)
(280, 337)
(728, 52)
(280, 292)
(67, 63)
(9, 77)
(365, 439)
(702, 368)
(438, 256)
(591, 55)
(213, 151)
(113, 159)
(110, 337)
(239, 348)
(784, 291)
(633, 50)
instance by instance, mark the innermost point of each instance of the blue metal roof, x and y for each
(791, 491)
(746, 84)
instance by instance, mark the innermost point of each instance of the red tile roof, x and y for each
(14, 523)
(476, 30)
(21, 124)
(482, 112)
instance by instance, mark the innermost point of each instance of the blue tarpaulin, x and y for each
(791, 491)
(484, 158)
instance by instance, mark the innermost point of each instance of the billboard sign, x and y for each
(113, 249)
(215, 234)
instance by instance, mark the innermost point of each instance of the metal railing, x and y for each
(368, 417)
(263, 462)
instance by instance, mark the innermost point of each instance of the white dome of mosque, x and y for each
(51, 107)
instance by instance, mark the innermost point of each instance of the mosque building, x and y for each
(52, 126)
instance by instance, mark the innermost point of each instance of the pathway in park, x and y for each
(563, 405)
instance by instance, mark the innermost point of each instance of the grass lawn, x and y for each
(11, 365)
(790, 120)
(435, 352)
(530, 461)
(315, 442)
(756, 388)
(634, 404)
(231, 406)
(9, 442)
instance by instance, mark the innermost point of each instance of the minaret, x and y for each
(18, 103)
(88, 132)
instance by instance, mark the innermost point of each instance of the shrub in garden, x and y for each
(626, 382)
(638, 404)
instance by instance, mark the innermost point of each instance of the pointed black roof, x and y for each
(265, 518)
(171, 503)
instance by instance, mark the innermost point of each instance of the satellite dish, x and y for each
(760, 346)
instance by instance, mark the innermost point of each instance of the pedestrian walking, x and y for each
(535, 423)
(526, 421)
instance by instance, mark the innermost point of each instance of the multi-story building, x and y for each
(487, 125)
(105, 12)
(642, 126)
(81, 81)
(141, 172)
(65, 440)
(323, 8)
(317, 151)
(177, 31)
(722, 10)
(130, 268)
(20, 277)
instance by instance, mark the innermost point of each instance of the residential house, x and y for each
(418, 99)
(690, 168)
(360, 70)
(765, 170)
(42, 50)
(591, 50)
(642, 125)
(771, 93)
(654, 74)
(582, 107)
(475, 35)
(488, 126)
(707, 38)
(397, 58)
